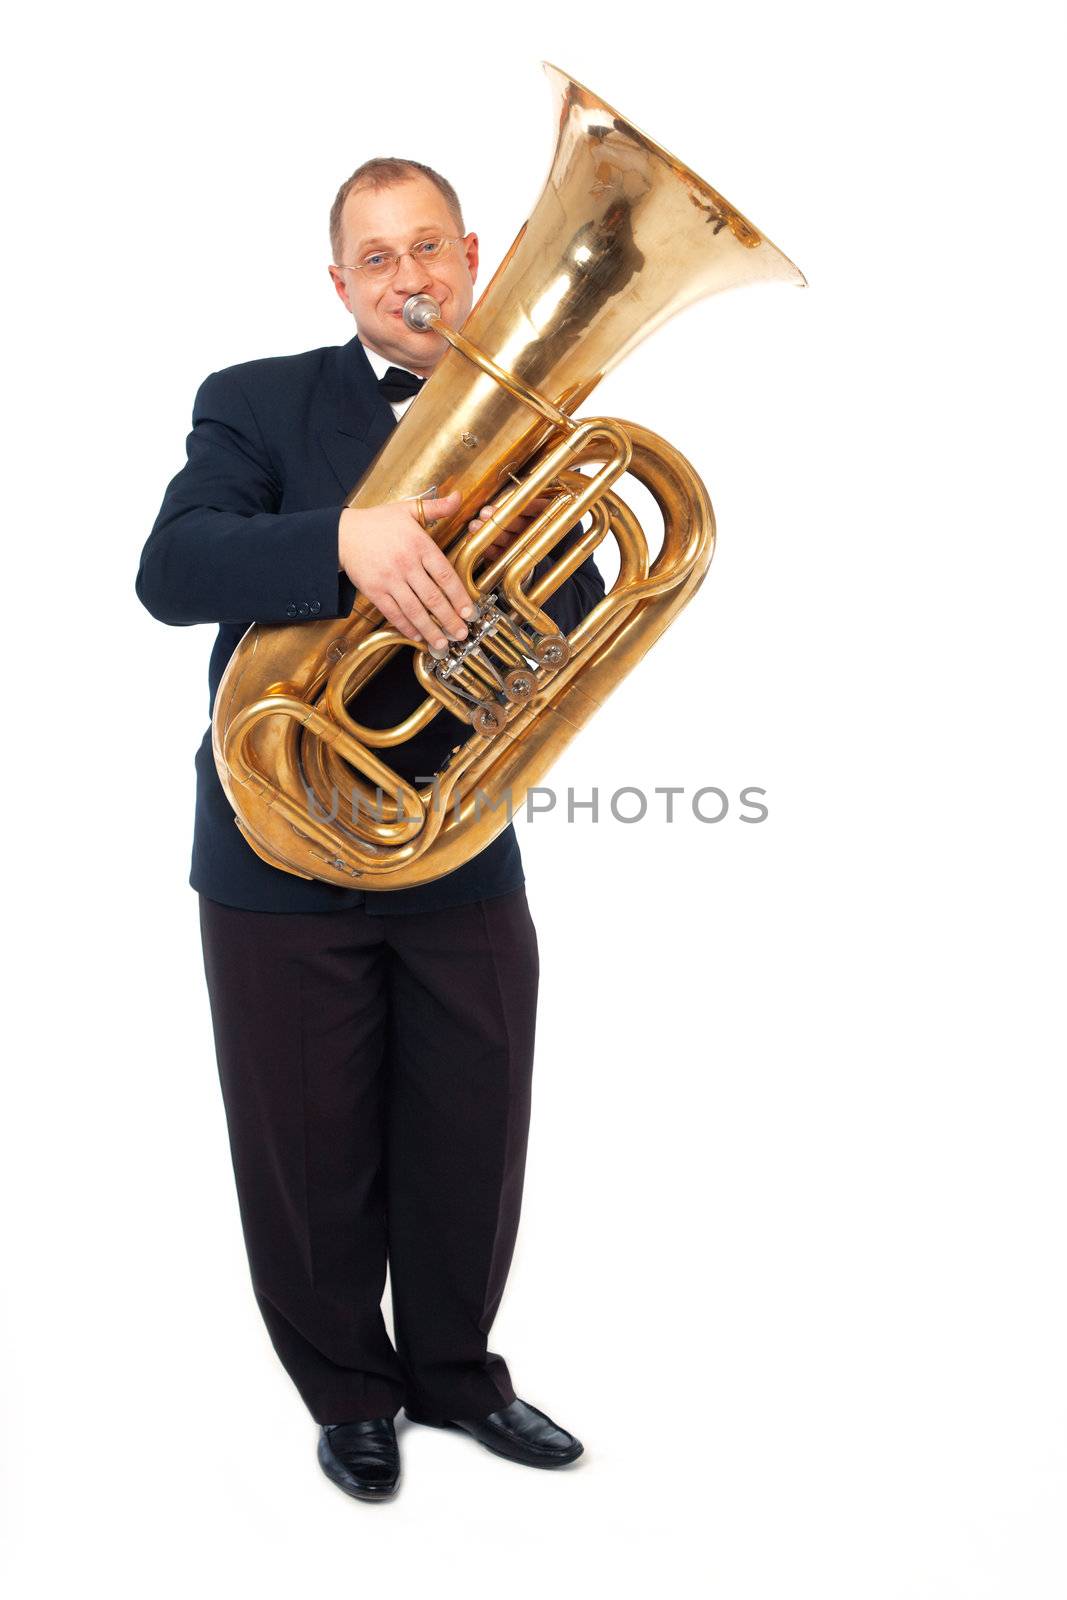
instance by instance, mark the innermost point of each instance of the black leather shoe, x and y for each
(518, 1432)
(362, 1458)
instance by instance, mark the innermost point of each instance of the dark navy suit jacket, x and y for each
(248, 533)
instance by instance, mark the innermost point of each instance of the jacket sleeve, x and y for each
(220, 550)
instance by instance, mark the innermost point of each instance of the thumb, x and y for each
(440, 505)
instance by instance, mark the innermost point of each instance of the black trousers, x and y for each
(376, 1074)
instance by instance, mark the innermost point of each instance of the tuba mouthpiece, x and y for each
(419, 310)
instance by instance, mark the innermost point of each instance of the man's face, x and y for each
(395, 219)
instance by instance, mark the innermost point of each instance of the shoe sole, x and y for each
(363, 1494)
(520, 1461)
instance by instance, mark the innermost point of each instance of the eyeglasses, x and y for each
(384, 263)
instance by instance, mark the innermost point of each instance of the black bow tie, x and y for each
(396, 384)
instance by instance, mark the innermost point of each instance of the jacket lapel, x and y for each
(359, 419)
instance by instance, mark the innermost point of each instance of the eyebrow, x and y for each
(423, 228)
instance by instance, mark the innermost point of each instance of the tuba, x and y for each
(622, 237)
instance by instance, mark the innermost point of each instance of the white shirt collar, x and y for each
(380, 364)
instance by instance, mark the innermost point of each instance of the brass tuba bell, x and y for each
(622, 237)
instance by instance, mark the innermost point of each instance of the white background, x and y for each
(791, 1260)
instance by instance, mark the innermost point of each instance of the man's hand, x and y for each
(393, 561)
(517, 525)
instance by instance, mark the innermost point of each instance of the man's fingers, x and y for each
(436, 507)
(436, 602)
(394, 614)
(519, 522)
(444, 574)
(426, 627)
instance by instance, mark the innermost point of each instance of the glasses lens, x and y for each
(383, 263)
(379, 265)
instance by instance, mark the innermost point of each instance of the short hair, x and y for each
(382, 172)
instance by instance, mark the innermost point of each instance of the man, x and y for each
(375, 1049)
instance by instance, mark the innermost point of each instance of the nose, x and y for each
(411, 275)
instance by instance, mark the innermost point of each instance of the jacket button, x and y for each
(290, 609)
(316, 606)
(304, 609)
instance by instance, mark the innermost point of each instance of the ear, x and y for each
(339, 284)
(471, 250)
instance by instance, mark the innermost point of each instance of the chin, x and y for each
(424, 346)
